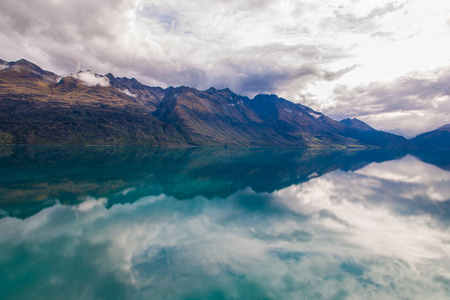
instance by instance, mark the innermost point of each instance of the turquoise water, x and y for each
(206, 223)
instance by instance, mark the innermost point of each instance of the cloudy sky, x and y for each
(386, 62)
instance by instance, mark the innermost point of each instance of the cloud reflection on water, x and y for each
(372, 233)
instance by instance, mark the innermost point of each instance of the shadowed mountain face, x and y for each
(362, 132)
(439, 138)
(220, 117)
(149, 97)
(296, 122)
(39, 108)
(213, 118)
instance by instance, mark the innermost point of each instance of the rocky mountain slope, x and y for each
(39, 107)
(36, 107)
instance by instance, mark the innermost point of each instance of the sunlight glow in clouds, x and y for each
(320, 53)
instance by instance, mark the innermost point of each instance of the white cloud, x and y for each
(90, 203)
(367, 207)
(301, 50)
(409, 105)
(90, 78)
(128, 93)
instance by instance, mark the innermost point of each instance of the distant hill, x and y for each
(438, 138)
(364, 133)
(38, 107)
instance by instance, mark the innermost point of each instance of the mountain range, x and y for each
(38, 107)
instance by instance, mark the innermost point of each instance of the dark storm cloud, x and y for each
(271, 68)
(270, 80)
(248, 71)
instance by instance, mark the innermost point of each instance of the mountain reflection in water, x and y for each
(107, 222)
(36, 177)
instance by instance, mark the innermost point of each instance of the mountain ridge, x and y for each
(363, 132)
(40, 107)
(438, 138)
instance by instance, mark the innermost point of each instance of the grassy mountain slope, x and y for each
(215, 117)
(38, 107)
(35, 109)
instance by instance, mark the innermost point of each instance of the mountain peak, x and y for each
(224, 92)
(171, 116)
(24, 65)
(110, 76)
(445, 127)
(24, 61)
(266, 97)
(438, 138)
(356, 124)
(182, 88)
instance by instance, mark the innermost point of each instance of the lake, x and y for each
(208, 223)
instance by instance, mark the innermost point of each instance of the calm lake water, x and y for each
(205, 223)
